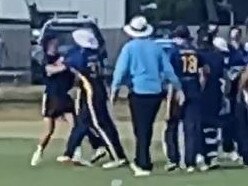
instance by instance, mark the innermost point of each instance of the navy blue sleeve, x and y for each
(174, 57)
(74, 59)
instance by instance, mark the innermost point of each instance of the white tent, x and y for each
(14, 9)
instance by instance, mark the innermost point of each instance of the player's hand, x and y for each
(180, 97)
(59, 61)
(113, 96)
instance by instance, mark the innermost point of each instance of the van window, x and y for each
(188, 11)
(192, 12)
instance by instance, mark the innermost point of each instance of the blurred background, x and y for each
(23, 22)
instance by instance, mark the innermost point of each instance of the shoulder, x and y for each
(128, 46)
(74, 50)
(165, 43)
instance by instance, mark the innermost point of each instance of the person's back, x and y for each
(144, 66)
(186, 62)
(215, 61)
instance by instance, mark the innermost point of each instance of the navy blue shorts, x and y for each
(56, 106)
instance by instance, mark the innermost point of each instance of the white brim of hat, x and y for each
(81, 41)
(224, 49)
(131, 32)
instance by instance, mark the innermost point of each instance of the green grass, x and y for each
(15, 170)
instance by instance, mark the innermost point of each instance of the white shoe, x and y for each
(171, 167)
(63, 159)
(204, 168)
(234, 156)
(37, 157)
(114, 164)
(138, 172)
(77, 156)
(241, 161)
(99, 154)
(78, 160)
(224, 155)
(214, 163)
(190, 170)
(81, 162)
(200, 160)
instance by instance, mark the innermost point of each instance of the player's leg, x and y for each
(45, 139)
(242, 131)
(191, 130)
(77, 156)
(79, 130)
(171, 139)
(109, 127)
(49, 130)
(143, 110)
(95, 140)
(98, 146)
(228, 131)
(108, 132)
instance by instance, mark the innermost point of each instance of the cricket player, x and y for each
(56, 100)
(84, 61)
(188, 68)
(212, 98)
(233, 68)
(241, 113)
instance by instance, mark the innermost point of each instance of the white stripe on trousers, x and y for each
(89, 94)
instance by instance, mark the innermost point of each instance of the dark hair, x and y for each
(182, 31)
(46, 40)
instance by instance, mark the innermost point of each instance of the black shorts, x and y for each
(56, 106)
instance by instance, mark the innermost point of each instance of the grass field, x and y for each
(18, 139)
(15, 170)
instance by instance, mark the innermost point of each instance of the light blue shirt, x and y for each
(145, 66)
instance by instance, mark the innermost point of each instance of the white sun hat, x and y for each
(138, 27)
(221, 44)
(246, 47)
(85, 38)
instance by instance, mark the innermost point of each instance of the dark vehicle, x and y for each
(63, 27)
(164, 29)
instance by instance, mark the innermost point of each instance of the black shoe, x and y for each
(171, 167)
(100, 153)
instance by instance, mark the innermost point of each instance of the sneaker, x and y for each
(200, 160)
(138, 172)
(99, 154)
(114, 164)
(204, 168)
(245, 166)
(234, 156)
(171, 167)
(77, 156)
(81, 162)
(37, 156)
(214, 164)
(63, 159)
(190, 169)
(224, 155)
(241, 161)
